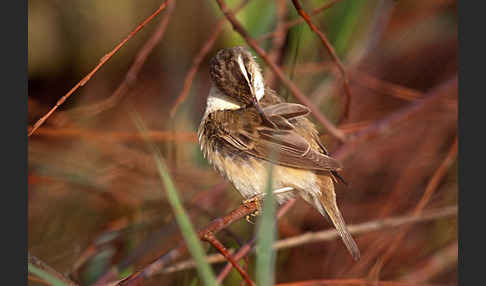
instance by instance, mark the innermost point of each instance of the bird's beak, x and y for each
(258, 107)
(254, 100)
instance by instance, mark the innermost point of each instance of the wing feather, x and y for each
(286, 110)
(281, 144)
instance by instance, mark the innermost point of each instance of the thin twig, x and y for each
(353, 127)
(113, 272)
(155, 135)
(364, 227)
(43, 266)
(330, 127)
(161, 136)
(432, 186)
(331, 51)
(199, 58)
(385, 125)
(385, 87)
(214, 227)
(278, 41)
(195, 66)
(245, 249)
(242, 252)
(443, 260)
(330, 234)
(365, 80)
(353, 282)
(292, 23)
(209, 237)
(134, 70)
(103, 60)
(38, 280)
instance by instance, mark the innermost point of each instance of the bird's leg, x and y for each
(259, 197)
(256, 198)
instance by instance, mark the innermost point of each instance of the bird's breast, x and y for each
(248, 174)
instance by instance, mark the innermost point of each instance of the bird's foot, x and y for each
(249, 217)
(255, 199)
(259, 197)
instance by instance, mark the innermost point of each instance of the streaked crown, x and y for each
(237, 75)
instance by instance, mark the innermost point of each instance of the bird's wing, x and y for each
(286, 110)
(280, 144)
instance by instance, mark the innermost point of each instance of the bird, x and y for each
(246, 123)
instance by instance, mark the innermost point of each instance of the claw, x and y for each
(248, 219)
(255, 199)
(259, 197)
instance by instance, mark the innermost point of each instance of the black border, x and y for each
(471, 121)
(13, 118)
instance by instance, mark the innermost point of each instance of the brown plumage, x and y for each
(246, 127)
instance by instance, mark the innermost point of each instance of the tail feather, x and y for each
(327, 206)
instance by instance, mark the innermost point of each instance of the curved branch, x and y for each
(333, 130)
(330, 234)
(198, 59)
(103, 60)
(331, 51)
(214, 227)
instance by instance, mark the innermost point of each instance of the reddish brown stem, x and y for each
(327, 235)
(330, 49)
(198, 59)
(385, 87)
(351, 281)
(157, 136)
(278, 41)
(32, 260)
(292, 23)
(209, 237)
(365, 80)
(132, 74)
(245, 249)
(333, 130)
(195, 66)
(103, 60)
(432, 186)
(214, 227)
(383, 126)
(242, 252)
(433, 266)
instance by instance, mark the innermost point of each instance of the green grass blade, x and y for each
(52, 280)
(187, 230)
(266, 235)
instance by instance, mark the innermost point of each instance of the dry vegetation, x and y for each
(380, 77)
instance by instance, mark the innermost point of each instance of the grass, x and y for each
(266, 235)
(52, 280)
(187, 230)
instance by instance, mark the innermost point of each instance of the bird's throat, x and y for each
(218, 101)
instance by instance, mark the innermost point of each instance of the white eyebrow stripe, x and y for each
(257, 86)
(242, 68)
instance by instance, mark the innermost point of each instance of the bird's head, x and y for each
(237, 75)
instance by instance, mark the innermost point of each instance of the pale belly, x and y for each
(250, 177)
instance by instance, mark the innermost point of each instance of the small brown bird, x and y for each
(244, 123)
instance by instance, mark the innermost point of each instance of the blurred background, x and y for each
(96, 200)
